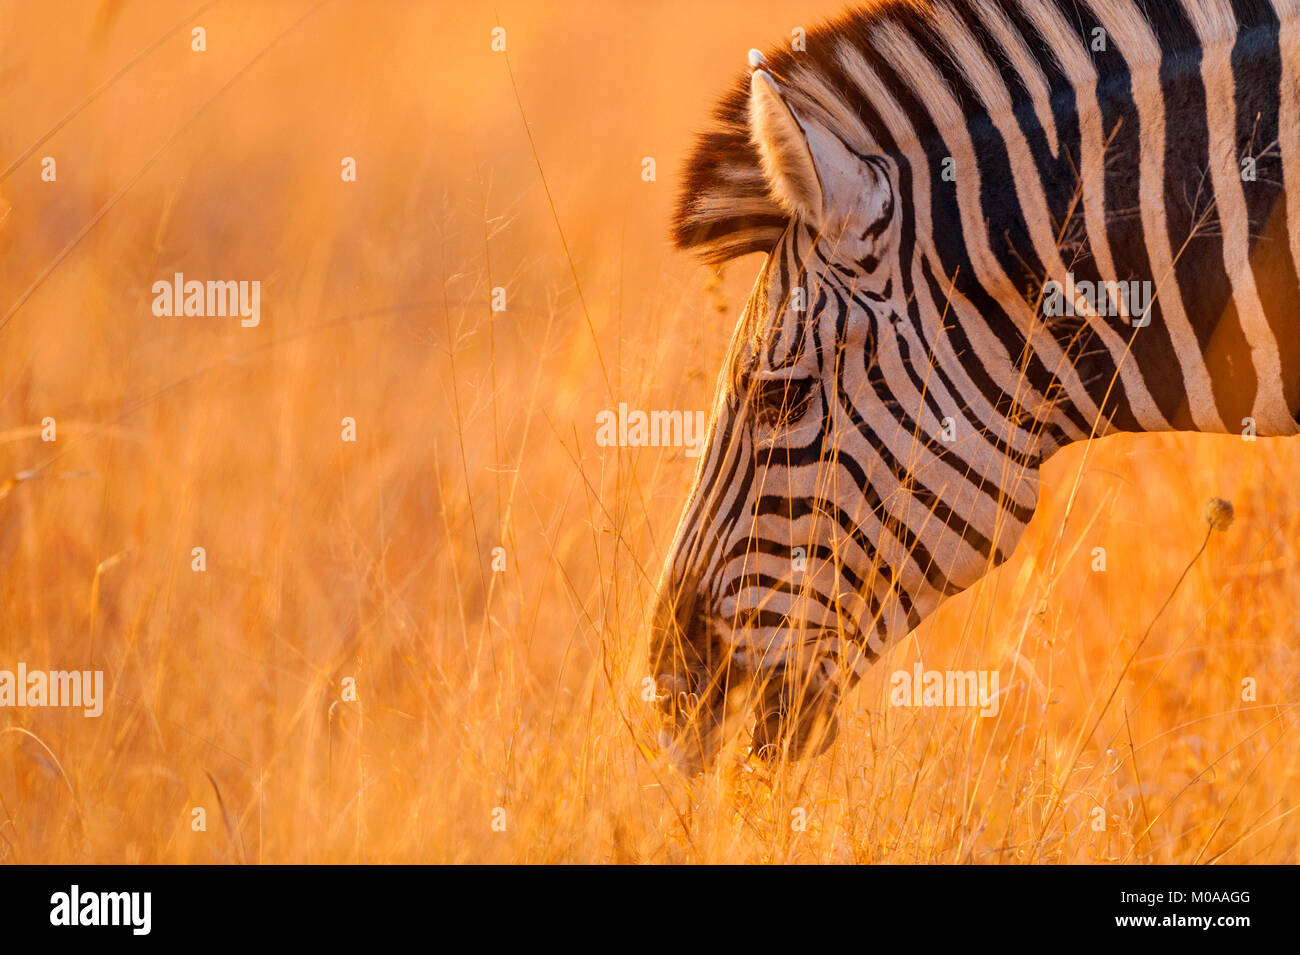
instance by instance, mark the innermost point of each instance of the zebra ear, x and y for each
(783, 148)
(809, 170)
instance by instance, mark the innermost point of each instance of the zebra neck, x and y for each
(1142, 219)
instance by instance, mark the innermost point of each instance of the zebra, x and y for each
(930, 182)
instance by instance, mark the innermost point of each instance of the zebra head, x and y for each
(813, 532)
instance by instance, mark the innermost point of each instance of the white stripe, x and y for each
(1133, 37)
(1031, 74)
(1271, 414)
(1288, 121)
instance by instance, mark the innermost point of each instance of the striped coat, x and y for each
(992, 228)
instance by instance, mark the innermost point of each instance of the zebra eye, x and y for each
(781, 402)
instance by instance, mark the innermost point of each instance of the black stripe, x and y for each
(1257, 70)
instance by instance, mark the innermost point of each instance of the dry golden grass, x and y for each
(371, 560)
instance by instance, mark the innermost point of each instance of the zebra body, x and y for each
(935, 186)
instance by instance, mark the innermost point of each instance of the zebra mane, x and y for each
(725, 207)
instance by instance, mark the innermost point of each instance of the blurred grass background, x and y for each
(372, 560)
